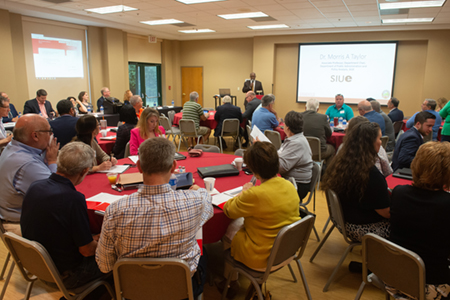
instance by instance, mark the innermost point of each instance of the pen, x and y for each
(111, 157)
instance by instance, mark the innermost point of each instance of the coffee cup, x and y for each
(238, 163)
(209, 184)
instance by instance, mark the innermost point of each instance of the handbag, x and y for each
(195, 152)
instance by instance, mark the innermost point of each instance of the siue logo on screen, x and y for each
(341, 78)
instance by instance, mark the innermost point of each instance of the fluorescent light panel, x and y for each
(197, 31)
(162, 22)
(197, 1)
(415, 4)
(258, 14)
(268, 26)
(412, 20)
(111, 9)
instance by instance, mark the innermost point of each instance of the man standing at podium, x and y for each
(253, 85)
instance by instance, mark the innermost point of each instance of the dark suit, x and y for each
(396, 115)
(250, 108)
(64, 128)
(248, 86)
(406, 148)
(100, 102)
(223, 112)
(32, 107)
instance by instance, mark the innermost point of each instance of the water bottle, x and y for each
(341, 119)
(102, 110)
(20, 114)
(173, 103)
(173, 181)
(40, 114)
(332, 124)
(154, 105)
(344, 123)
(89, 109)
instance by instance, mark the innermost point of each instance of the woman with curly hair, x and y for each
(361, 188)
(147, 127)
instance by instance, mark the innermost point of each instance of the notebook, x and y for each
(218, 171)
(404, 173)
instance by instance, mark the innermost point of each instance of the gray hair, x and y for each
(156, 155)
(312, 104)
(135, 100)
(193, 96)
(267, 100)
(226, 99)
(74, 157)
(3, 101)
(376, 106)
(104, 89)
(431, 103)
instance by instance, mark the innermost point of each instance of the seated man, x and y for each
(365, 109)
(264, 118)
(394, 114)
(105, 94)
(387, 123)
(409, 142)
(55, 215)
(316, 125)
(194, 111)
(223, 112)
(136, 102)
(429, 105)
(251, 103)
(156, 221)
(5, 137)
(64, 126)
(39, 105)
(30, 156)
(339, 109)
(12, 115)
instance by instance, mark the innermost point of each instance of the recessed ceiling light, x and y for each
(197, 31)
(415, 20)
(258, 14)
(415, 4)
(162, 22)
(111, 9)
(197, 1)
(268, 26)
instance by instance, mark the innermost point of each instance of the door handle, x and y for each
(184, 94)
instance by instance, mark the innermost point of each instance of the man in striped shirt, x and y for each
(194, 111)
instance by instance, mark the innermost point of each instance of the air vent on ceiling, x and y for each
(57, 1)
(264, 19)
(184, 25)
(403, 11)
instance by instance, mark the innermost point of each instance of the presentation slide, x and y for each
(56, 57)
(356, 70)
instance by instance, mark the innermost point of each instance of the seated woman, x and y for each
(126, 97)
(147, 127)
(87, 129)
(128, 116)
(361, 188)
(295, 154)
(83, 103)
(420, 215)
(265, 208)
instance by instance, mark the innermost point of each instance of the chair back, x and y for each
(290, 242)
(165, 123)
(336, 213)
(249, 130)
(314, 144)
(187, 127)
(155, 278)
(127, 150)
(384, 141)
(397, 126)
(171, 114)
(274, 137)
(239, 152)
(394, 265)
(208, 148)
(314, 180)
(230, 127)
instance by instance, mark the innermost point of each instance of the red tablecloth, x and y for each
(392, 181)
(210, 122)
(214, 229)
(106, 145)
(336, 139)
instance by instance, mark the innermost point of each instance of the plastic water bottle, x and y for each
(89, 109)
(173, 103)
(344, 123)
(154, 105)
(173, 181)
(332, 125)
(20, 114)
(341, 119)
(102, 110)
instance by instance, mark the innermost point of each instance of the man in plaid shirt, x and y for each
(156, 221)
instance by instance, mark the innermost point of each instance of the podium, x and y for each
(219, 98)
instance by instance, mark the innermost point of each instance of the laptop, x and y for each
(218, 171)
(404, 173)
(224, 92)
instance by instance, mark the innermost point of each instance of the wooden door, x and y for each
(191, 80)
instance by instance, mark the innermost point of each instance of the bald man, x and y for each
(30, 156)
(253, 85)
(365, 109)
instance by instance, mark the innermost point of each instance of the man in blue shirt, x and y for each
(428, 105)
(265, 118)
(339, 109)
(365, 109)
(12, 115)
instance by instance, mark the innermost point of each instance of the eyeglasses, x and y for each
(5, 106)
(49, 131)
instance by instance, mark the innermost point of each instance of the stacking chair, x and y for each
(274, 137)
(397, 127)
(312, 192)
(249, 130)
(5, 264)
(208, 148)
(127, 150)
(187, 130)
(289, 245)
(239, 152)
(152, 278)
(34, 262)
(314, 144)
(337, 218)
(230, 127)
(394, 265)
(384, 141)
(170, 131)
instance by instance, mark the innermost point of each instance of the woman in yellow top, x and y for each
(265, 208)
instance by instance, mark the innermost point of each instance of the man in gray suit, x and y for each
(389, 127)
(316, 125)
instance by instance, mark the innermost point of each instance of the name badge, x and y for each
(342, 111)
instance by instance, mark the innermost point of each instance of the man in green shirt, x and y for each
(339, 109)
(194, 111)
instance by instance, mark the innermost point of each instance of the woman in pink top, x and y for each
(146, 128)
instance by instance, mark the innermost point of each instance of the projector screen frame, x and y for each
(396, 42)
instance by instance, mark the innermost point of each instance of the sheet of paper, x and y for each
(116, 169)
(105, 197)
(110, 138)
(217, 200)
(214, 192)
(233, 192)
(256, 133)
(134, 158)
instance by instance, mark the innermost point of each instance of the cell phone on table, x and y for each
(247, 171)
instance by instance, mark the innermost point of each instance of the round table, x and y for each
(210, 122)
(392, 181)
(336, 139)
(213, 230)
(106, 145)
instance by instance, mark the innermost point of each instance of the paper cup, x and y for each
(103, 124)
(238, 163)
(209, 183)
(112, 177)
(104, 133)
